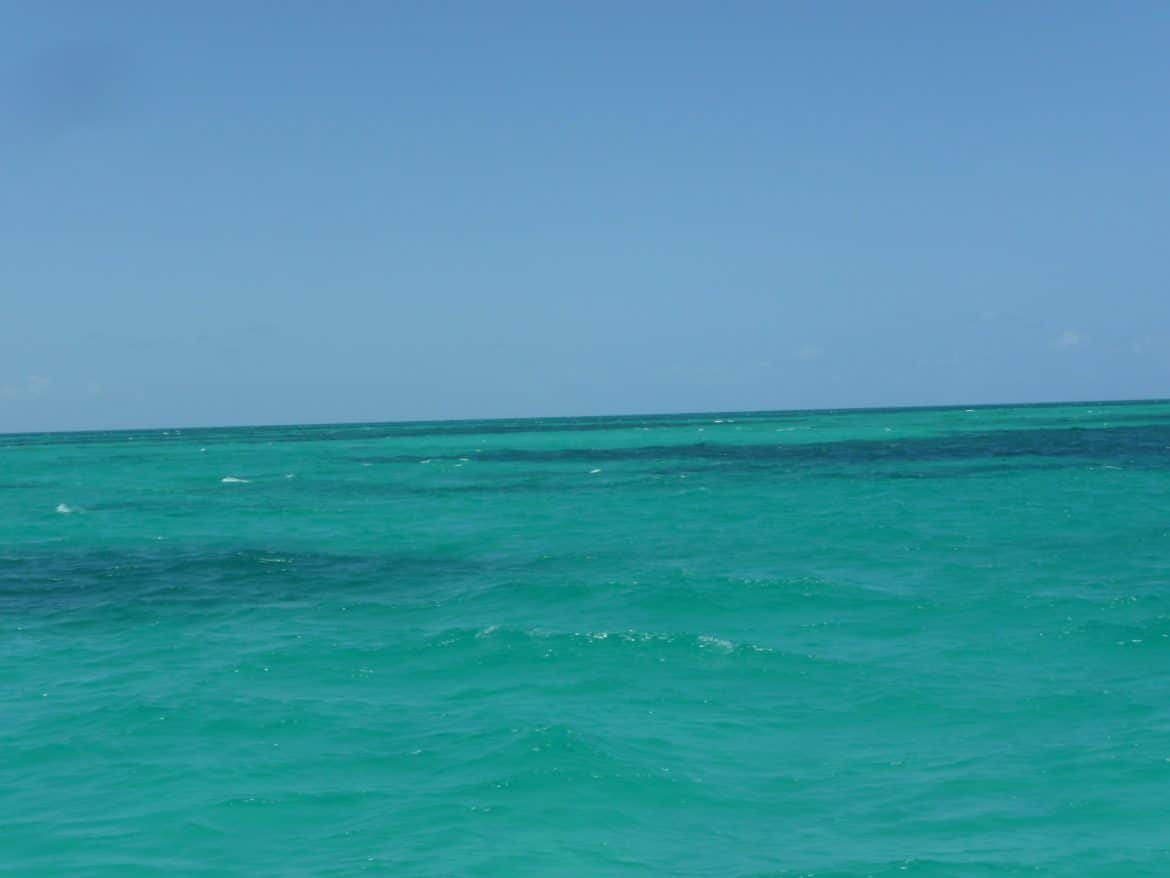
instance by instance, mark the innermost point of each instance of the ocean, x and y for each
(917, 642)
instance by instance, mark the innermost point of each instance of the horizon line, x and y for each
(678, 414)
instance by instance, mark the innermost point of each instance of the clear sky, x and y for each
(255, 212)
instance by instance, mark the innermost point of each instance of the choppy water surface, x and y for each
(918, 642)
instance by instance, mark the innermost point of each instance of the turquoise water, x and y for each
(917, 642)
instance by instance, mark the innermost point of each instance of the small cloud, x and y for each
(1068, 339)
(1143, 346)
(32, 387)
(808, 352)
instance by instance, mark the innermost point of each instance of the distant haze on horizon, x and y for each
(217, 215)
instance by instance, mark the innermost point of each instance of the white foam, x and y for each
(64, 509)
(290, 475)
(232, 480)
(707, 641)
(594, 472)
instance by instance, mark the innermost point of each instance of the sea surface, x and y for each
(919, 642)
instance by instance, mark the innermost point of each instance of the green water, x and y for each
(920, 642)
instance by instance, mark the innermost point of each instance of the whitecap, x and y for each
(64, 509)
(594, 472)
(232, 480)
(707, 641)
(290, 475)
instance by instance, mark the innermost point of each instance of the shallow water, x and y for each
(917, 642)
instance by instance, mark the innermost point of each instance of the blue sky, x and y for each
(232, 213)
